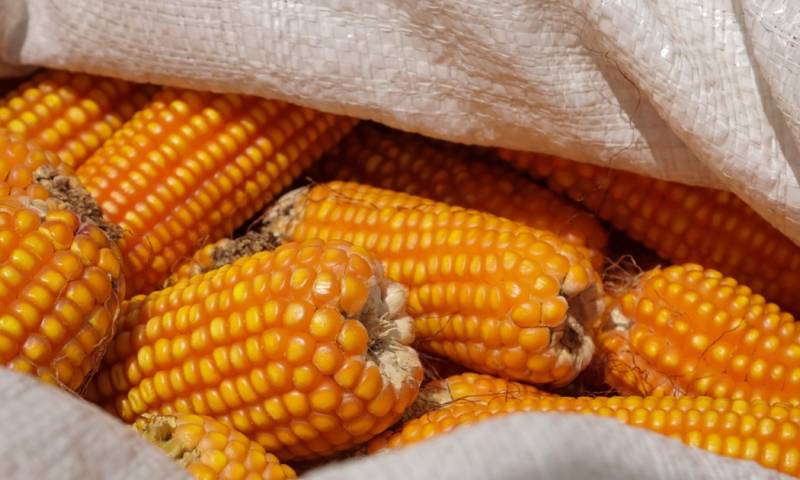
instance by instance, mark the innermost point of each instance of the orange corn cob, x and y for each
(457, 175)
(688, 330)
(486, 292)
(681, 223)
(71, 114)
(193, 166)
(303, 349)
(211, 450)
(749, 430)
(60, 283)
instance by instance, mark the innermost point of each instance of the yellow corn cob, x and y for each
(688, 330)
(457, 175)
(60, 289)
(749, 430)
(303, 349)
(211, 450)
(193, 166)
(71, 114)
(486, 292)
(681, 223)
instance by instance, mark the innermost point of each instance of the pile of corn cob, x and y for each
(153, 261)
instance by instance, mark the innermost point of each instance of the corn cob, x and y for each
(303, 349)
(60, 283)
(750, 430)
(686, 330)
(211, 450)
(192, 166)
(681, 223)
(486, 292)
(457, 175)
(71, 114)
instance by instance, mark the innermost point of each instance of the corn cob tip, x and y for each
(206, 448)
(159, 430)
(433, 395)
(391, 332)
(282, 217)
(28, 170)
(224, 252)
(573, 339)
(67, 190)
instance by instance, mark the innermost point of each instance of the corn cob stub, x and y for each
(209, 449)
(303, 349)
(192, 166)
(486, 292)
(689, 330)
(71, 114)
(680, 222)
(60, 289)
(750, 430)
(456, 175)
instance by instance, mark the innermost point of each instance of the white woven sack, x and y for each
(701, 91)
